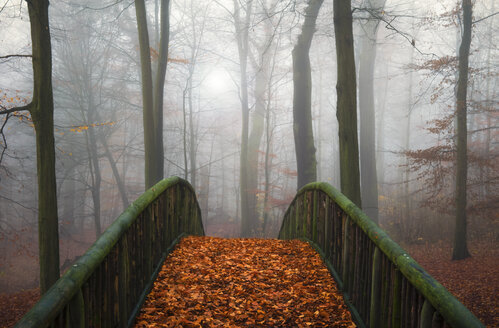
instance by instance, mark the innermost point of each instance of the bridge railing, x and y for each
(108, 284)
(383, 286)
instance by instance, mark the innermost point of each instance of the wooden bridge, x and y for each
(381, 284)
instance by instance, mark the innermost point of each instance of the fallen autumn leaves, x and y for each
(210, 282)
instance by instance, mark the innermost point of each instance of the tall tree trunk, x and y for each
(242, 29)
(192, 137)
(460, 250)
(152, 96)
(410, 107)
(302, 98)
(147, 95)
(159, 84)
(346, 109)
(368, 175)
(42, 113)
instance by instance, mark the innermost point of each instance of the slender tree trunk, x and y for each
(184, 131)
(147, 95)
(380, 139)
(302, 98)
(42, 113)
(159, 84)
(192, 136)
(410, 107)
(96, 176)
(268, 162)
(242, 29)
(152, 95)
(255, 137)
(346, 110)
(116, 174)
(369, 178)
(460, 250)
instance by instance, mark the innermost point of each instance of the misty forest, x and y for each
(346, 126)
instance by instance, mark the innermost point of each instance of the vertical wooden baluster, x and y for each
(415, 308)
(304, 216)
(123, 282)
(375, 290)
(386, 291)
(426, 315)
(76, 317)
(437, 320)
(396, 299)
(315, 207)
(297, 217)
(346, 253)
(327, 233)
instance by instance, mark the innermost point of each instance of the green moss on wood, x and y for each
(65, 289)
(454, 312)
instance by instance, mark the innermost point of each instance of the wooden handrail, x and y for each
(108, 284)
(382, 284)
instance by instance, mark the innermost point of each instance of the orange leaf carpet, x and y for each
(215, 282)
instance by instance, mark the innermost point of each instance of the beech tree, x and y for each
(41, 109)
(460, 250)
(369, 180)
(302, 98)
(152, 94)
(241, 24)
(346, 110)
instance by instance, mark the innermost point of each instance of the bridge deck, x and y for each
(208, 282)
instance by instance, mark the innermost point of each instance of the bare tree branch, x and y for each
(484, 18)
(13, 56)
(5, 111)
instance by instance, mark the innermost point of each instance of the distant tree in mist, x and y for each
(368, 175)
(241, 24)
(460, 250)
(302, 98)
(459, 174)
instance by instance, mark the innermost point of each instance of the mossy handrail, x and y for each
(108, 284)
(382, 284)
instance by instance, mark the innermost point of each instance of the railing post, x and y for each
(123, 283)
(314, 217)
(396, 303)
(346, 253)
(297, 218)
(147, 242)
(327, 226)
(375, 290)
(76, 316)
(426, 315)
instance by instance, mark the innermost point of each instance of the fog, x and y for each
(99, 132)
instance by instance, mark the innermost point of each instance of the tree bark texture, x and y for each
(42, 113)
(147, 95)
(346, 110)
(152, 98)
(460, 250)
(242, 29)
(368, 177)
(302, 98)
(159, 84)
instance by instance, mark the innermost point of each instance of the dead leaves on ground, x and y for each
(474, 281)
(210, 282)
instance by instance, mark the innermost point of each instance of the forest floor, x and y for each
(474, 281)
